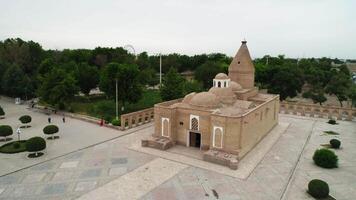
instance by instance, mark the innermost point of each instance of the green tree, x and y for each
(285, 81)
(58, 88)
(352, 95)
(207, 71)
(88, 77)
(172, 86)
(339, 86)
(149, 77)
(126, 75)
(192, 86)
(16, 83)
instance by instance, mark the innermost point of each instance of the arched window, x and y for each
(224, 83)
(219, 84)
(165, 127)
(195, 124)
(218, 137)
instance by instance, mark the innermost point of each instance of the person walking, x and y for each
(49, 119)
(64, 118)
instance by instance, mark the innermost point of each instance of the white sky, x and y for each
(296, 28)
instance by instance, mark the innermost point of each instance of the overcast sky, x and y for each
(296, 28)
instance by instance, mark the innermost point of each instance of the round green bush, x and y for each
(50, 129)
(318, 188)
(325, 158)
(116, 122)
(25, 119)
(35, 144)
(2, 113)
(332, 121)
(335, 143)
(5, 130)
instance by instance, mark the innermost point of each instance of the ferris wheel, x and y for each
(129, 48)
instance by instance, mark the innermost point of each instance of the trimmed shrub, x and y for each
(318, 189)
(332, 121)
(50, 130)
(35, 144)
(325, 158)
(335, 143)
(16, 145)
(25, 119)
(2, 113)
(116, 122)
(5, 130)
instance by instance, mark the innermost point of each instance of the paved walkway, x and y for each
(283, 172)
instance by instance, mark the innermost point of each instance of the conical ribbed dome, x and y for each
(241, 69)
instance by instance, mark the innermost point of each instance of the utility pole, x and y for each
(117, 105)
(160, 70)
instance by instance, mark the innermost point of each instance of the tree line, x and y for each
(56, 76)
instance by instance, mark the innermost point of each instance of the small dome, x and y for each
(221, 76)
(188, 97)
(235, 86)
(205, 99)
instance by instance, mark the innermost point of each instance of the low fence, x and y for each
(86, 118)
(137, 118)
(314, 110)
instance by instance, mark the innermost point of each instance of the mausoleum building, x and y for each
(225, 122)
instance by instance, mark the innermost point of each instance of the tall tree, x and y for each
(172, 87)
(285, 81)
(88, 77)
(16, 83)
(58, 88)
(126, 75)
(207, 71)
(339, 86)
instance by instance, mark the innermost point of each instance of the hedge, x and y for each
(35, 144)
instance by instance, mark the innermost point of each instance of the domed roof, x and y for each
(205, 99)
(225, 95)
(222, 92)
(188, 97)
(235, 86)
(221, 76)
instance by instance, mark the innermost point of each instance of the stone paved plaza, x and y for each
(89, 160)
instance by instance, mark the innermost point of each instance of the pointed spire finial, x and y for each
(244, 41)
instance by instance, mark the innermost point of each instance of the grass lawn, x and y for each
(98, 106)
(11, 148)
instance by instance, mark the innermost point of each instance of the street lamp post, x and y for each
(117, 105)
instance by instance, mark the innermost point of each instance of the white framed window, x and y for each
(194, 123)
(218, 134)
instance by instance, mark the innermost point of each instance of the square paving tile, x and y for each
(90, 173)
(52, 189)
(117, 171)
(70, 164)
(31, 178)
(85, 186)
(43, 167)
(6, 180)
(24, 191)
(61, 176)
(116, 161)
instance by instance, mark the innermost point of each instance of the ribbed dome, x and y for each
(235, 86)
(205, 99)
(221, 76)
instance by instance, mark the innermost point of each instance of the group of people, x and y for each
(63, 119)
